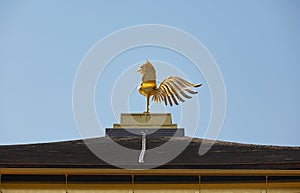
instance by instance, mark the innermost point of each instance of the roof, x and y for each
(222, 155)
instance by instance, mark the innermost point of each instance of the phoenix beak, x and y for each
(139, 70)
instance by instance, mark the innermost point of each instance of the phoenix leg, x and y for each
(147, 104)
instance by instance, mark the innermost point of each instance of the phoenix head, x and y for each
(148, 72)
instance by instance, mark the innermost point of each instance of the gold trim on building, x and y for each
(207, 172)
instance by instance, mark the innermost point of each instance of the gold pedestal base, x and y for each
(146, 120)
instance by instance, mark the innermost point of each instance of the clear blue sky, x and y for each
(255, 43)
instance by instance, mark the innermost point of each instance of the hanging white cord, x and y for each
(66, 176)
(0, 183)
(141, 158)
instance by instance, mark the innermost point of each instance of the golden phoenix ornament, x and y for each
(169, 90)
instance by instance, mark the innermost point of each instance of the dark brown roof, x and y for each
(223, 155)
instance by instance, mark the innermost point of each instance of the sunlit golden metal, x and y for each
(169, 90)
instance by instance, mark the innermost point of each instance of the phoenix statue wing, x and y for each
(172, 89)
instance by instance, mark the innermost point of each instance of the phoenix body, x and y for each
(170, 90)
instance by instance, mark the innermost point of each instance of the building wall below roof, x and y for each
(284, 187)
(151, 191)
(145, 181)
